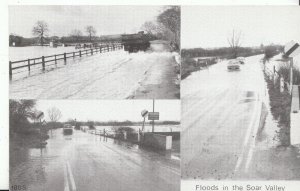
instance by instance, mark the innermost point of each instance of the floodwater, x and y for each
(147, 128)
(116, 74)
(221, 137)
(90, 162)
(23, 53)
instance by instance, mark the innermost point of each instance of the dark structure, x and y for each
(136, 42)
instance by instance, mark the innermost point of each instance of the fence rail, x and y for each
(274, 75)
(29, 63)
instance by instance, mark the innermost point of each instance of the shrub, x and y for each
(284, 70)
(270, 51)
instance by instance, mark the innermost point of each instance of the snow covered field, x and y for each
(116, 75)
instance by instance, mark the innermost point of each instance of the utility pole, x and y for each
(153, 120)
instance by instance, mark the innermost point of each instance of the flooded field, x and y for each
(148, 128)
(22, 53)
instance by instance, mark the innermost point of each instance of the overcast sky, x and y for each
(209, 26)
(107, 110)
(63, 19)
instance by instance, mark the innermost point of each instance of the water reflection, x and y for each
(42, 169)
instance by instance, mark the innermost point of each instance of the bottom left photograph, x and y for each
(77, 145)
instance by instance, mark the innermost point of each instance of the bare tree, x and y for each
(40, 29)
(91, 31)
(54, 114)
(150, 27)
(234, 41)
(76, 34)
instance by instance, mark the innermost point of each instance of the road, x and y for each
(115, 74)
(86, 162)
(221, 113)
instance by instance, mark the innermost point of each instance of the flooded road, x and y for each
(221, 121)
(116, 74)
(88, 162)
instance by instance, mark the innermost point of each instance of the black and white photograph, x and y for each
(78, 145)
(94, 52)
(240, 93)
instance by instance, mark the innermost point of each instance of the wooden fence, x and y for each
(31, 62)
(274, 75)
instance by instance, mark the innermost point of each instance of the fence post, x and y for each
(55, 59)
(100, 49)
(125, 135)
(139, 136)
(92, 51)
(281, 84)
(79, 53)
(274, 75)
(107, 47)
(86, 52)
(43, 63)
(10, 70)
(29, 65)
(291, 75)
(73, 54)
(65, 58)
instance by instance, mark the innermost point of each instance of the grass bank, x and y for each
(280, 104)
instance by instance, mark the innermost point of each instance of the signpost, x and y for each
(153, 116)
(291, 49)
(144, 115)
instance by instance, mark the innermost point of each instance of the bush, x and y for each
(270, 51)
(91, 125)
(284, 71)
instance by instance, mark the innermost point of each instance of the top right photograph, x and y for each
(240, 82)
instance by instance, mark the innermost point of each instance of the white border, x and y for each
(4, 82)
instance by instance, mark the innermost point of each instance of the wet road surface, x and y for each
(88, 162)
(220, 119)
(115, 74)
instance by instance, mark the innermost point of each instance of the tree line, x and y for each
(165, 27)
(40, 31)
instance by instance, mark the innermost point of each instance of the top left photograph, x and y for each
(94, 52)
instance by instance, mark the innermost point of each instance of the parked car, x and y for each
(68, 129)
(241, 60)
(233, 65)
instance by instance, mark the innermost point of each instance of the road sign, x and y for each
(292, 49)
(153, 116)
(144, 113)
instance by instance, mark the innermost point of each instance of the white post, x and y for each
(153, 120)
(281, 84)
(139, 136)
(125, 135)
(274, 75)
(291, 75)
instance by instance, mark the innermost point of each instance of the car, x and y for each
(233, 65)
(241, 60)
(68, 129)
